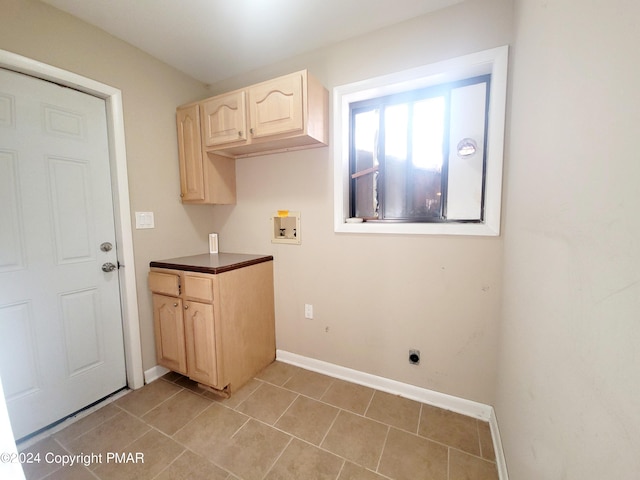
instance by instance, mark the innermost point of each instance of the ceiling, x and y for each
(212, 40)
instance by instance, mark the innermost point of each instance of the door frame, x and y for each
(120, 186)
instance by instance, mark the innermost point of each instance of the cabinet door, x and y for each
(169, 329)
(276, 106)
(224, 119)
(192, 187)
(200, 342)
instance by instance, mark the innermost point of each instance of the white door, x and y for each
(61, 341)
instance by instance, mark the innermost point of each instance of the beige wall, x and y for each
(378, 295)
(569, 370)
(151, 90)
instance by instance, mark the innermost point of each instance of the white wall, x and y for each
(569, 369)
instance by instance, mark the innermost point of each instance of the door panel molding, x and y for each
(18, 317)
(118, 164)
(13, 256)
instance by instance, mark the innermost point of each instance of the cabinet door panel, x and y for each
(200, 341)
(276, 106)
(224, 119)
(190, 154)
(169, 329)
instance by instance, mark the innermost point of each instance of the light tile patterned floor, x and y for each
(287, 423)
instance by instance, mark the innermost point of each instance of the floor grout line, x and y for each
(278, 457)
(170, 463)
(369, 404)
(330, 427)
(384, 444)
(286, 409)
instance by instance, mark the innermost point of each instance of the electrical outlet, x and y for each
(308, 311)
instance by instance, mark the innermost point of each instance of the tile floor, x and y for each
(287, 423)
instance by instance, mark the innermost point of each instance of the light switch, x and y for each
(144, 220)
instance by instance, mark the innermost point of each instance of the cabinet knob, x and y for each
(175, 304)
(186, 307)
(251, 131)
(239, 133)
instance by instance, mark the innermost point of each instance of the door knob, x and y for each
(108, 267)
(106, 246)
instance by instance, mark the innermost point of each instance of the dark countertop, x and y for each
(213, 263)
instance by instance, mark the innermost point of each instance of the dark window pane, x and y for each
(428, 133)
(366, 126)
(426, 198)
(396, 124)
(366, 196)
(364, 183)
(427, 156)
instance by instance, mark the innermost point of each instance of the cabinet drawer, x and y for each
(164, 283)
(199, 288)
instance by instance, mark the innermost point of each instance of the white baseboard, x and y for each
(423, 395)
(154, 373)
(501, 461)
(419, 394)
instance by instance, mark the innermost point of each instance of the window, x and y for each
(421, 151)
(419, 156)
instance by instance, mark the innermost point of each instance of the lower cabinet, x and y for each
(217, 329)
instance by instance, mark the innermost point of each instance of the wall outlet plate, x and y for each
(308, 311)
(213, 243)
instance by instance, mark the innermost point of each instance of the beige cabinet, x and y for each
(200, 345)
(218, 329)
(205, 178)
(287, 113)
(224, 119)
(169, 327)
(277, 107)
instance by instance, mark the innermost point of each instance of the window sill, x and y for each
(480, 229)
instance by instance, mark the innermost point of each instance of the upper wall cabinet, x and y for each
(205, 178)
(225, 120)
(287, 113)
(277, 107)
(190, 154)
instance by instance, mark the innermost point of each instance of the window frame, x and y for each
(382, 104)
(493, 62)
